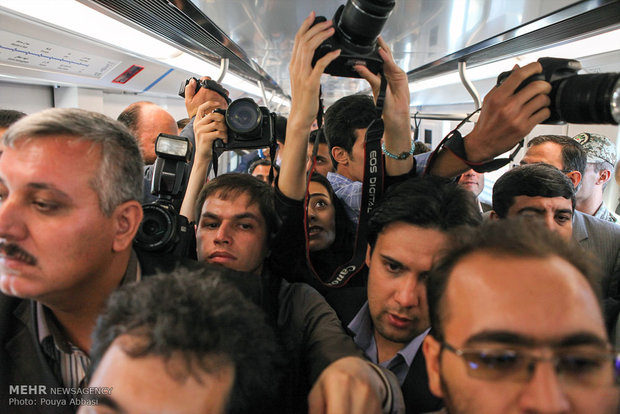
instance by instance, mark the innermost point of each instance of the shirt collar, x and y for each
(47, 326)
(361, 326)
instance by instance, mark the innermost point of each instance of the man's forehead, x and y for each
(240, 201)
(547, 152)
(552, 203)
(545, 296)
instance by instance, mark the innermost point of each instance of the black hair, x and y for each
(256, 163)
(428, 202)
(9, 116)
(532, 180)
(345, 116)
(574, 157)
(512, 238)
(232, 185)
(182, 123)
(345, 230)
(205, 320)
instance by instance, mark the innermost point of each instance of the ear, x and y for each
(127, 218)
(603, 177)
(432, 351)
(340, 155)
(493, 215)
(368, 254)
(575, 177)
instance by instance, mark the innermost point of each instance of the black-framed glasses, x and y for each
(584, 366)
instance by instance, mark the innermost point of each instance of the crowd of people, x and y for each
(458, 306)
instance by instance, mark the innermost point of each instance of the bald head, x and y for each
(146, 121)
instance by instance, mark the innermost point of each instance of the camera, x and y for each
(250, 126)
(578, 99)
(207, 84)
(162, 229)
(357, 26)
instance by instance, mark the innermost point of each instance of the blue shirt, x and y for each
(362, 327)
(350, 192)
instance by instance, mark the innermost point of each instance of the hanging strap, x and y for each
(372, 189)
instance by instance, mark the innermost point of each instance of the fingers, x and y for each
(190, 89)
(518, 75)
(206, 108)
(316, 402)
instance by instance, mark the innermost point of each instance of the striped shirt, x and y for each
(67, 361)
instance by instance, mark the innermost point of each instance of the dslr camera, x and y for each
(162, 229)
(578, 99)
(357, 26)
(250, 126)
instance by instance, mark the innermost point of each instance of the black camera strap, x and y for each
(455, 142)
(372, 189)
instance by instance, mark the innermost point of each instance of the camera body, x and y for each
(579, 99)
(250, 126)
(357, 26)
(162, 229)
(207, 84)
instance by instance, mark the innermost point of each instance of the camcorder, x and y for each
(250, 126)
(357, 26)
(207, 84)
(162, 229)
(578, 99)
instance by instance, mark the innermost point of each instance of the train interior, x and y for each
(102, 55)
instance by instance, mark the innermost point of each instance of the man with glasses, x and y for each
(529, 338)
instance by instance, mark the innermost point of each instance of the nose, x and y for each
(408, 291)
(223, 234)
(12, 227)
(543, 393)
(550, 222)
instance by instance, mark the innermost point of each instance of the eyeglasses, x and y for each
(585, 367)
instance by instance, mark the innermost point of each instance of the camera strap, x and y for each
(456, 144)
(372, 189)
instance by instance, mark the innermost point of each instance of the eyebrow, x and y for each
(45, 186)
(236, 217)
(391, 259)
(318, 195)
(511, 338)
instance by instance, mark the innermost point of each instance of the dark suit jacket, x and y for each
(602, 238)
(418, 397)
(22, 361)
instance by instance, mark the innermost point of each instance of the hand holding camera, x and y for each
(579, 99)
(199, 91)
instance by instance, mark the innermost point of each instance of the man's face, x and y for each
(150, 384)
(547, 153)
(232, 233)
(555, 212)
(540, 306)
(402, 256)
(153, 121)
(48, 210)
(321, 218)
(324, 162)
(355, 167)
(262, 173)
(472, 181)
(588, 182)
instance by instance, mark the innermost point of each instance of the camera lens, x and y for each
(361, 21)
(586, 99)
(157, 228)
(243, 116)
